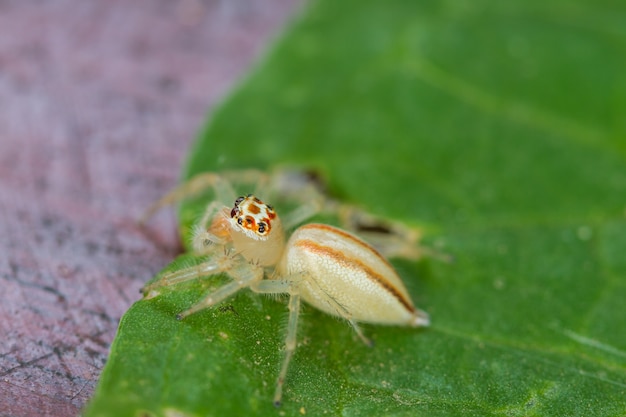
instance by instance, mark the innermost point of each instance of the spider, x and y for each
(327, 267)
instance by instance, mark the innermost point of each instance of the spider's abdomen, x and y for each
(346, 277)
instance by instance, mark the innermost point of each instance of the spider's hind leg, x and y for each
(391, 238)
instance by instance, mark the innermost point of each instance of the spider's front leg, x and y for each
(221, 186)
(215, 265)
(239, 269)
(243, 273)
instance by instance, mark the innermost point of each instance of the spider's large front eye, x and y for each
(261, 228)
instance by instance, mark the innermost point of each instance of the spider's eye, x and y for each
(261, 228)
(234, 212)
(239, 200)
(240, 221)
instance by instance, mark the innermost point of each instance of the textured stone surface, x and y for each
(99, 102)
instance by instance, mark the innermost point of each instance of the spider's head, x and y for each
(252, 217)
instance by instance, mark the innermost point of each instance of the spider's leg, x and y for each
(290, 345)
(243, 274)
(223, 192)
(391, 238)
(297, 186)
(285, 285)
(211, 267)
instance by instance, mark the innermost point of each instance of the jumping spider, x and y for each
(327, 267)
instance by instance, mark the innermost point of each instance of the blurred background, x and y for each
(99, 102)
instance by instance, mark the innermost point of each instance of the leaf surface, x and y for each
(497, 127)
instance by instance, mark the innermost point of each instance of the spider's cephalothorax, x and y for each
(257, 232)
(327, 267)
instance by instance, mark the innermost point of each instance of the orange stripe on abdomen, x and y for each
(338, 257)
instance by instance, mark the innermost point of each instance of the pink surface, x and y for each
(99, 102)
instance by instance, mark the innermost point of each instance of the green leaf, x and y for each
(500, 128)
